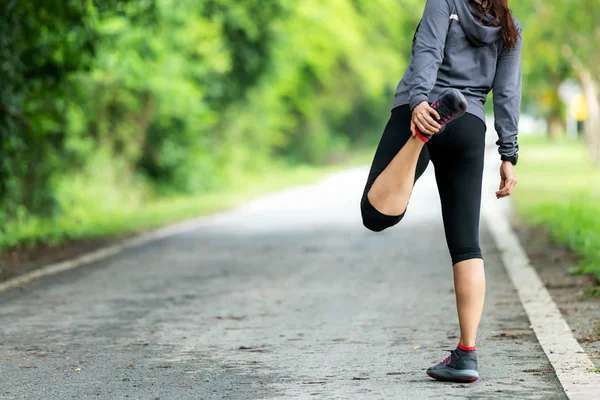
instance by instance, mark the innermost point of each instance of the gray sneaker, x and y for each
(451, 105)
(461, 367)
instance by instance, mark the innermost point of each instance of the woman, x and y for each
(461, 47)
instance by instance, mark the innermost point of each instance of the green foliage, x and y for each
(43, 47)
(558, 38)
(108, 105)
(570, 204)
(41, 44)
(579, 229)
(118, 104)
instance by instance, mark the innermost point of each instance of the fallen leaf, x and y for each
(539, 371)
(130, 366)
(252, 349)
(508, 335)
(228, 389)
(77, 369)
(416, 347)
(530, 326)
(125, 379)
(29, 366)
(231, 317)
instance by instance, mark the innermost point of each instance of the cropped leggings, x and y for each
(458, 157)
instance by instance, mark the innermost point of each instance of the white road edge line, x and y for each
(570, 362)
(137, 240)
(105, 252)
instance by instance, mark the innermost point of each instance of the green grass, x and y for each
(559, 188)
(121, 212)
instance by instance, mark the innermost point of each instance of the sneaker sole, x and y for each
(459, 113)
(462, 96)
(460, 376)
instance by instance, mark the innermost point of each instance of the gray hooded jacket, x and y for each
(453, 49)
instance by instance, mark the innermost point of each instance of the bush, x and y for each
(558, 188)
(185, 96)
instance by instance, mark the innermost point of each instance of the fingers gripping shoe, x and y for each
(451, 105)
(461, 367)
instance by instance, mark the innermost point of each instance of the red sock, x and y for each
(466, 348)
(423, 136)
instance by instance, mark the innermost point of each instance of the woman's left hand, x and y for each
(508, 180)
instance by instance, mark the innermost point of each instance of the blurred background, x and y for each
(117, 116)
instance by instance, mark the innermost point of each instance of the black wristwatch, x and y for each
(512, 159)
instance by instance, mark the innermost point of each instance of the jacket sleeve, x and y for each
(507, 94)
(428, 49)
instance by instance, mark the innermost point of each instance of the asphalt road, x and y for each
(286, 297)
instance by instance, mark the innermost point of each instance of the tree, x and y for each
(41, 45)
(561, 41)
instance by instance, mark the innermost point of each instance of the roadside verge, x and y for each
(571, 363)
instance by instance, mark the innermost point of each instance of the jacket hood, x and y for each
(480, 31)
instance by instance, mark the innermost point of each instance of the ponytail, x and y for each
(500, 11)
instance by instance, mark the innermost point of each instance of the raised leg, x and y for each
(399, 161)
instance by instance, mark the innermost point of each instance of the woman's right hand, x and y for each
(423, 121)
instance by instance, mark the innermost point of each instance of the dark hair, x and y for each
(500, 11)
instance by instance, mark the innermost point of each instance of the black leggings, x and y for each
(457, 155)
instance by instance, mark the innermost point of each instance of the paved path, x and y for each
(286, 297)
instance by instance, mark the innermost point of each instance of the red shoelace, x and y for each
(447, 359)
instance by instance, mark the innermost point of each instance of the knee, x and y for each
(460, 254)
(375, 221)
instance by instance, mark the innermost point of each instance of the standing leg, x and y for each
(459, 172)
(458, 157)
(399, 161)
(469, 285)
